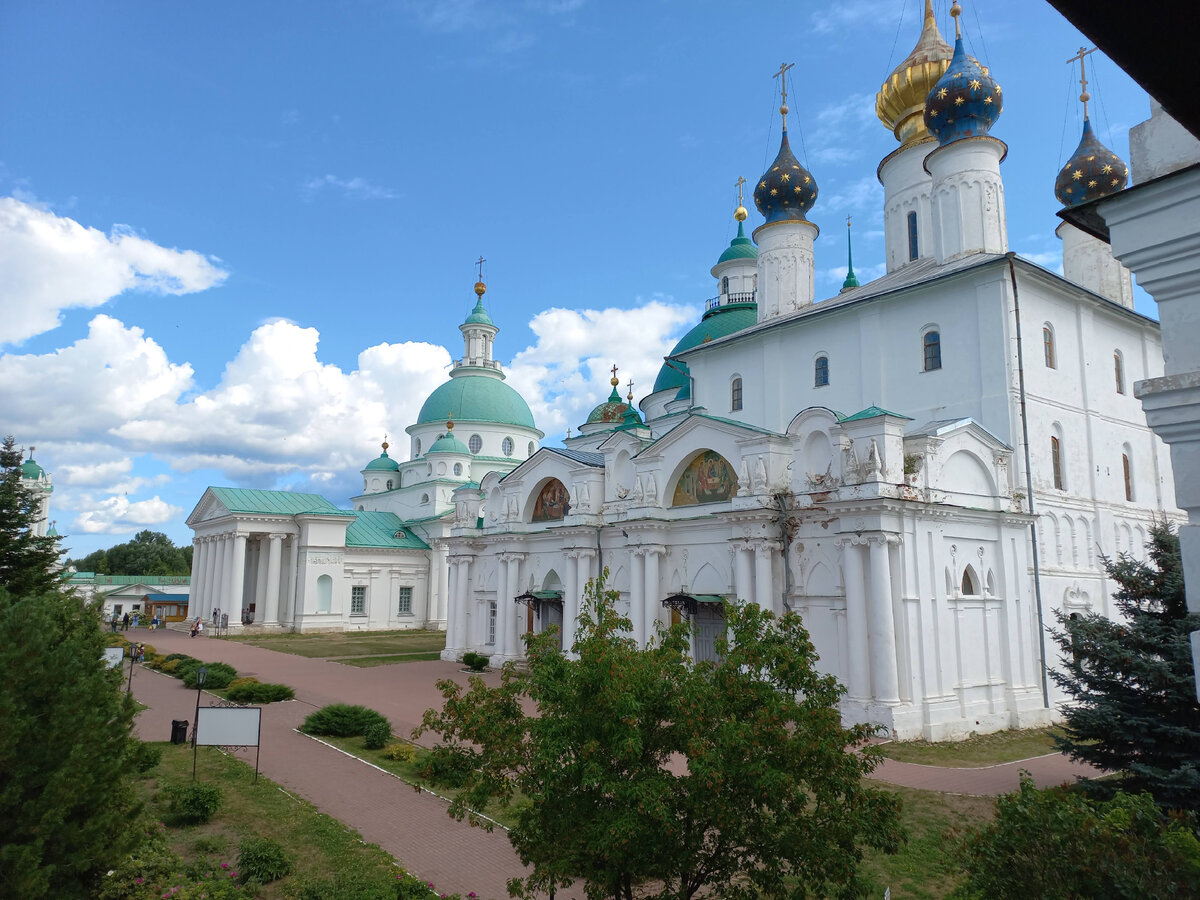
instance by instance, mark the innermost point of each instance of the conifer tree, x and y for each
(28, 562)
(1134, 708)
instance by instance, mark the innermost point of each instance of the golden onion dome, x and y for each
(900, 103)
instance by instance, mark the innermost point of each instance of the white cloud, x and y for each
(115, 515)
(865, 194)
(52, 263)
(350, 188)
(93, 474)
(1051, 260)
(851, 19)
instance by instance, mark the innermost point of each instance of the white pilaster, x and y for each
(763, 594)
(292, 613)
(220, 581)
(197, 586)
(260, 580)
(637, 596)
(653, 591)
(884, 679)
(743, 572)
(270, 614)
(858, 673)
(513, 645)
(571, 600)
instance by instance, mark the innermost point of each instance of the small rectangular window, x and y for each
(405, 606)
(912, 235)
(735, 395)
(358, 600)
(933, 351)
(491, 626)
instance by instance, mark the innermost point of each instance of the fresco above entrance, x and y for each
(552, 504)
(707, 479)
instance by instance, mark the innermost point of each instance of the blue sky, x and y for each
(236, 239)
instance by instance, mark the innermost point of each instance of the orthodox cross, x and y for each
(782, 76)
(614, 370)
(630, 390)
(1085, 96)
(479, 262)
(740, 182)
(847, 221)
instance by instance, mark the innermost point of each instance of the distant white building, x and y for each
(925, 467)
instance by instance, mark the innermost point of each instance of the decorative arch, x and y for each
(821, 581)
(707, 478)
(967, 474)
(708, 580)
(970, 582)
(324, 593)
(552, 503)
(990, 584)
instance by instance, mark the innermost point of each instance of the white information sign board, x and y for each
(222, 726)
(113, 656)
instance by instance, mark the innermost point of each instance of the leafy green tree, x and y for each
(1134, 706)
(149, 553)
(649, 775)
(96, 561)
(1058, 844)
(28, 563)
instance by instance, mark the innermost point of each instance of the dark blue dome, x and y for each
(1092, 171)
(965, 102)
(787, 190)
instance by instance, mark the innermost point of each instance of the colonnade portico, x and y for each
(235, 570)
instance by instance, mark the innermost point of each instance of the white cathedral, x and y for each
(925, 467)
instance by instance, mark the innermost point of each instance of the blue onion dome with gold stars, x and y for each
(383, 461)
(1092, 171)
(966, 101)
(611, 410)
(786, 191)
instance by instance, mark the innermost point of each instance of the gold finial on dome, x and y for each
(740, 213)
(955, 12)
(450, 423)
(629, 396)
(900, 103)
(615, 381)
(480, 287)
(385, 444)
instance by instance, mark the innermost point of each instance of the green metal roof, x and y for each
(479, 315)
(717, 323)
(126, 580)
(384, 462)
(30, 469)
(476, 398)
(285, 503)
(448, 443)
(374, 528)
(741, 247)
(872, 412)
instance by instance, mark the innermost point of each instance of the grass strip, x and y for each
(366, 662)
(977, 750)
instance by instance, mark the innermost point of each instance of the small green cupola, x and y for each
(479, 315)
(851, 279)
(383, 462)
(741, 247)
(448, 443)
(612, 410)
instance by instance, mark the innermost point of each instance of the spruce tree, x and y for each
(28, 562)
(1131, 680)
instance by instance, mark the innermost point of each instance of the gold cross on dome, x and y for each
(630, 390)
(740, 182)
(782, 76)
(1084, 96)
(479, 262)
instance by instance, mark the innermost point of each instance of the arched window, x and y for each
(475, 443)
(457, 469)
(968, 583)
(1119, 371)
(821, 372)
(735, 394)
(416, 446)
(491, 624)
(507, 446)
(424, 498)
(933, 350)
(1056, 462)
(754, 282)
(532, 449)
(324, 593)
(389, 484)
(725, 285)
(1048, 347)
(1127, 471)
(912, 236)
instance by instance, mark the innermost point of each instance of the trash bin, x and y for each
(179, 729)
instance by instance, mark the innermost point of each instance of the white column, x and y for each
(270, 615)
(857, 652)
(503, 608)
(763, 594)
(293, 581)
(462, 592)
(515, 647)
(453, 613)
(435, 598)
(236, 571)
(884, 678)
(637, 596)
(570, 600)
(585, 571)
(260, 581)
(195, 590)
(743, 573)
(653, 589)
(220, 580)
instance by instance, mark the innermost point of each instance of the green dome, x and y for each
(741, 247)
(611, 410)
(448, 443)
(30, 469)
(383, 462)
(479, 315)
(716, 323)
(476, 398)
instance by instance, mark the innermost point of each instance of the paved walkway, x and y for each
(412, 826)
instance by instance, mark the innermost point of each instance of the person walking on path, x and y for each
(196, 627)
(113, 622)
(125, 622)
(216, 616)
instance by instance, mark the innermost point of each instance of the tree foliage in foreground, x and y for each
(649, 775)
(1058, 844)
(1134, 706)
(28, 563)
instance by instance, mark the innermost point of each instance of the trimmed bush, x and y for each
(476, 662)
(193, 803)
(171, 656)
(258, 693)
(342, 720)
(376, 735)
(219, 675)
(244, 679)
(401, 751)
(263, 860)
(445, 768)
(145, 756)
(168, 666)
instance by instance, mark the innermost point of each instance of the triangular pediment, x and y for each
(209, 507)
(692, 429)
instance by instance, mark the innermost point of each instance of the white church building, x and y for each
(925, 467)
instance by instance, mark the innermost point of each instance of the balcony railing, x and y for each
(730, 299)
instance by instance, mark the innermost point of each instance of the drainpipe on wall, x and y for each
(1037, 578)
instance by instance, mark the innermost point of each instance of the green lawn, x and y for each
(977, 750)
(349, 644)
(321, 847)
(364, 662)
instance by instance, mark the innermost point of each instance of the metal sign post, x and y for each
(201, 677)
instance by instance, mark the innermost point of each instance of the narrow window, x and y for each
(725, 285)
(968, 584)
(1048, 347)
(457, 470)
(491, 635)
(1119, 371)
(417, 447)
(389, 484)
(821, 372)
(358, 600)
(405, 607)
(475, 443)
(532, 448)
(933, 351)
(507, 446)
(1128, 476)
(424, 498)
(735, 394)
(1056, 462)
(912, 235)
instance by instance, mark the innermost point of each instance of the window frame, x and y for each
(404, 600)
(1119, 371)
(358, 599)
(1056, 466)
(507, 446)
(475, 443)
(821, 371)
(1127, 472)
(914, 246)
(735, 393)
(1049, 348)
(493, 610)
(931, 340)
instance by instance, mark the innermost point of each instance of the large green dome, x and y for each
(716, 324)
(30, 469)
(476, 398)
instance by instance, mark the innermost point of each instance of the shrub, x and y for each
(349, 884)
(263, 859)
(193, 803)
(145, 756)
(445, 768)
(171, 656)
(410, 887)
(401, 751)
(376, 735)
(258, 693)
(219, 675)
(342, 720)
(244, 679)
(476, 662)
(168, 666)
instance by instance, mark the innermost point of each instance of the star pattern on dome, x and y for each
(787, 191)
(1092, 171)
(965, 102)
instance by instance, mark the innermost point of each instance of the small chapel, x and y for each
(926, 467)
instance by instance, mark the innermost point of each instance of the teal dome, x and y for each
(716, 323)
(741, 247)
(479, 315)
(448, 443)
(476, 398)
(31, 470)
(383, 462)
(611, 410)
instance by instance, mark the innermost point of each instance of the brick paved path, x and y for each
(414, 827)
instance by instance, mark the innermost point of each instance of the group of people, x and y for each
(123, 622)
